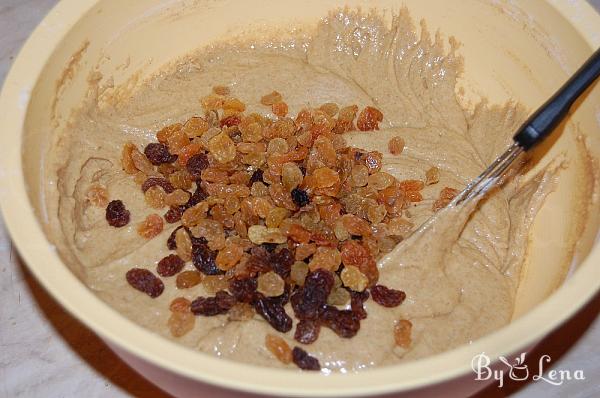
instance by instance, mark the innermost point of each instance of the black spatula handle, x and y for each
(545, 119)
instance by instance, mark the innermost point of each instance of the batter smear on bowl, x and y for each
(256, 201)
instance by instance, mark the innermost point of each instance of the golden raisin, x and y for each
(98, 196)
(396, 145)
(402, 333)
(222, 148)
(151, 226)
(155, 197)
(180, 304)
(279, 348)
(271, 98)
(354, 279)
(181, 323)
(369, 119)
(280, 109)
(184, 244)
(432, 176)
(187, 279)
(229, 256)
(270, 284)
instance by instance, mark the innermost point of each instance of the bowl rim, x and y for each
(44, 262)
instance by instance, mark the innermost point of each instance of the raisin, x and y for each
(171, 243)
(308, 300)
(150, 227)
(244, 290)
(369, 119)
(270, 284)
(161, 182)
(169, 265)
(230, 121)
(402, 333)
(279, 348)
(188, 279)
(307, 331)
(211, 306)
(357, 300)
(116, 214)
(180, 304)
(300, 197)
(145, 281)
(204, 260)
(305, 361)
(198, 196)
(345, 323)
(196, 164)
(181, 323)
(273, 312)
(387, 297)
(158, 154)
(257, 176)
(270, 247)
(281, 262)
(174, 214)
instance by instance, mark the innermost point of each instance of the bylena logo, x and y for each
(518, 370)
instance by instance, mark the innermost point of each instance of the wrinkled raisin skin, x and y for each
(307, 331)
(145, 281)
(196, 164)
(387, 297)
(198, 196)
(345, 323)
(244, 290)
(204, 260)
(174, 214)
(308, 301)
(158, 154)
(273, 312)
(221, 303)
(305, 361)
(161, 182)
(169, 265)
(116, 214)
(281, 262)
(357, 300)
(171, 242)
(300, 197)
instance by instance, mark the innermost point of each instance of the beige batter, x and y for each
(460, 274)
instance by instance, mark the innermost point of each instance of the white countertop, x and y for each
(44, 352)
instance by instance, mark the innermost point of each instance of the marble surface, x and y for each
(45, 352)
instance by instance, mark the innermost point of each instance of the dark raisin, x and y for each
(307, 332)
(300, 197)
(282, 261)
(244, 290)
(204, 260)
(225, 300)
(158, 154)
(171, 243)
(305, 361)
(196, 164)
(259, 261)
(221, 303)
(230, 121)
(274, 313)
(198, 196)
(161, 182)
(357, 300)
(344, 323)
(257, 176)
(387, 297)
(197, 241)
(174, 214)
(116, 214)
(308, 300)
(270, 247)
(170, 265)
(284, 298)
(145, 281)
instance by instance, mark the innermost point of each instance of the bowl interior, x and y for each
(509, 56)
